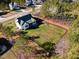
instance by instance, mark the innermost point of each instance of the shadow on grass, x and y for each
(3, 13)
(32, 38)
(48, 49)
(5, 45)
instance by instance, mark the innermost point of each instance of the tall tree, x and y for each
(4, 4)
(73, 34)
(50, 7)
(59, 8)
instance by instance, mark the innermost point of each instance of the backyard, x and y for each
(57, 37)
(45, 33)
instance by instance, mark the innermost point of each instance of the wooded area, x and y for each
(4, 3)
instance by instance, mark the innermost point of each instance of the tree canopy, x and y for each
(4, 3)
(74, 31)
(59, 8)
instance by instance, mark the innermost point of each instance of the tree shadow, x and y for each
(48, 49)
(3, 13)
(32, 38)
(21, 32)
(23, 6)
(5, 45)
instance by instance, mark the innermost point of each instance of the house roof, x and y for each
(26, 19)
(4, 45)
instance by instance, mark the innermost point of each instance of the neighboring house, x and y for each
(25, 22)
(33, 2)
(13, 5)
(69, 0)
(4, 46)
(75, 0)
(28, 2)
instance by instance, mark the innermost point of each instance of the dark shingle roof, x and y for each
(26, 18)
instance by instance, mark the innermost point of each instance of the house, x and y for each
(69, 0)
(33, 2)
(28, 2)
(25, 22)
(5, 45)
(13, 5)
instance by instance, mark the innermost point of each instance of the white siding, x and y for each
(10, 6)
(25, 26)
(17, 24)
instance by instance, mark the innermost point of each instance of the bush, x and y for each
(49, 48)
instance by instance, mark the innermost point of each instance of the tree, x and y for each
(61, 8)
(21, 2)
(74, 31)
(50, 7)
(4, 4)
(49, 48)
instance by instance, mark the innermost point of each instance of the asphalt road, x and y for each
(18, 14)
(3, 19)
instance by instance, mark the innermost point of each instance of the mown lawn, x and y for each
(46, 32)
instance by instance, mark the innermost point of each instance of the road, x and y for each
(18, 14)
(3, 19)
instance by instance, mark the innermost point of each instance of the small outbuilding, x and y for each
(25, 22)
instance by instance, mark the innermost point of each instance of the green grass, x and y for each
(73, 52)
(10, 23)
(47, 33)
(3, 6)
